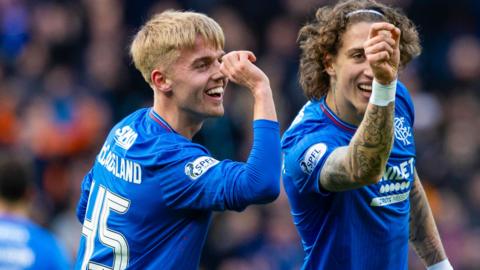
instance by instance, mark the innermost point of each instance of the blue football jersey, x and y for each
(147, 201)
(365, 228)
(25, 245)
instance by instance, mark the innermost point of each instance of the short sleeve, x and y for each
(405, 102)
(304, 162)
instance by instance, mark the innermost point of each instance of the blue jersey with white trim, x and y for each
(365, 228)
(147, 201)
(25, 245)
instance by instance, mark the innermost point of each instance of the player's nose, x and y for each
(367, 71)
(217, 75)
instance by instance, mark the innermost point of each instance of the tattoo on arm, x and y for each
(372, 143)
(334, 175)
(424, 235)
(363, 161)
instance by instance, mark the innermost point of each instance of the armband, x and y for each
(383, 94)
(443, 265)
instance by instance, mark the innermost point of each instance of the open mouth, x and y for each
(365, 90)
(215, 92)
(365, 87)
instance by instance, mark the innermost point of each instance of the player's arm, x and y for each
(238, 67)
(260, 179)
(363, 161)
(235, 185)
(424, 235)
(200, 182)
(84, 194)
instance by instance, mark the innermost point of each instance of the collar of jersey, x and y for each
(337, 121)
(159, 120)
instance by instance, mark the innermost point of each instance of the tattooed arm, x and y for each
(363, 161)
(424, 235)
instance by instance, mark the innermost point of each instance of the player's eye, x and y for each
(357, 55)
(202, 65)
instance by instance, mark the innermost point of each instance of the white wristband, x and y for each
(383, 94)
(443, 265)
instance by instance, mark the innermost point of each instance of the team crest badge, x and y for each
(402, 131)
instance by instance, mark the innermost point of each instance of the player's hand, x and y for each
(382, 50)
(238, 67)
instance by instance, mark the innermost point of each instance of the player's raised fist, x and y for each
(383, 52)
(238, 67)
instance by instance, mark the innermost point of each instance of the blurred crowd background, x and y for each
(66, 78)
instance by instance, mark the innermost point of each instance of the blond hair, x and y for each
(323, 36)
(160, 39)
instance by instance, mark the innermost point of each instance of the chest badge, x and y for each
(402, 131)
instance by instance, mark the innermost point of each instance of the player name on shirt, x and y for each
(120, 167)
(19, 254)
(22, 257)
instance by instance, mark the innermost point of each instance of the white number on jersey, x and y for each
(97, 225)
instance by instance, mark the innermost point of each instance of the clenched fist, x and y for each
(238, 67)
(383, 52)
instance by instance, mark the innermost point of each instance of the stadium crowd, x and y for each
(66, 77)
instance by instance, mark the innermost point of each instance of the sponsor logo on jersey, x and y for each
(125, 137)
(199, 166)
(389, 199)
(401, 171)
(312, 157)
(397, 179)
(402, 131)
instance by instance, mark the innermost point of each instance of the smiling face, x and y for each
(196, 81)
(350, 75)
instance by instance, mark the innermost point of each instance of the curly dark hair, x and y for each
(323, 36)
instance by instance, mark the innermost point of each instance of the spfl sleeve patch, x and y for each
(312, 157)
(199, 166)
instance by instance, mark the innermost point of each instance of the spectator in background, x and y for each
(23, 244)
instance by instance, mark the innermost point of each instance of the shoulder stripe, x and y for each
(159, 120)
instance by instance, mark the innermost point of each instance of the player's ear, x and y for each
(160, 81)
(328, 64)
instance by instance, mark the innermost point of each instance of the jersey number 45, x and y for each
(105, 202)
